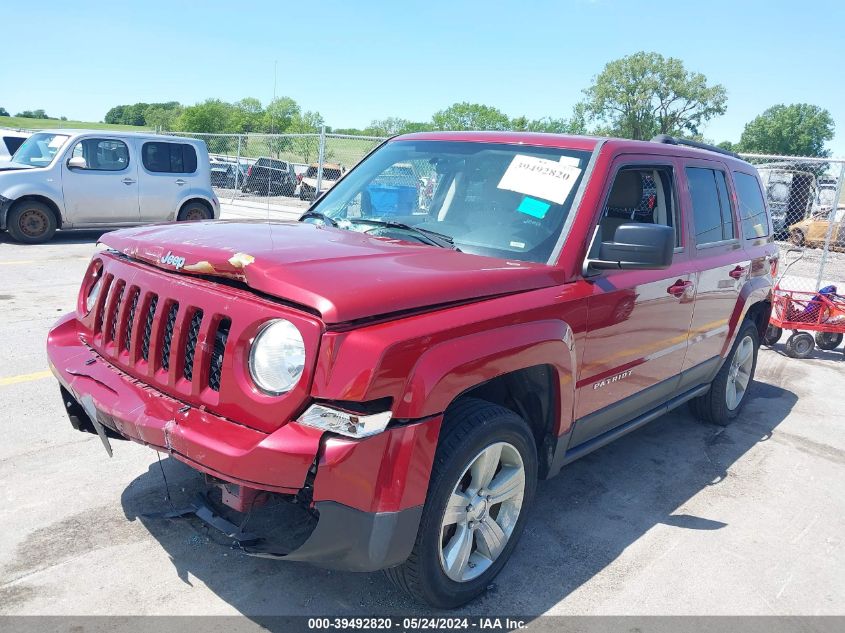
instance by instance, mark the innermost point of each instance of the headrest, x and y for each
(627, 192)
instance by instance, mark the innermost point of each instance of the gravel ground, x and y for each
(676, 518)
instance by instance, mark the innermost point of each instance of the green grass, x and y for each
(40, 124)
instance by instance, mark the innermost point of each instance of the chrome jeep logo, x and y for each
(612, 379)
(173, 260)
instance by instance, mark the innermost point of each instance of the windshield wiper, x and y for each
(318, 216)
(431, 237)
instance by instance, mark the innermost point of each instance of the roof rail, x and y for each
(671, 140)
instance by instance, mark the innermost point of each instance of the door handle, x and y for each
(128, 181)
(678, 288)
(180, 182)
(738, 272)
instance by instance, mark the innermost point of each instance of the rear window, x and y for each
(272, 164)
(711, 205)
(752, 207)
(171, 158)
(12, 143)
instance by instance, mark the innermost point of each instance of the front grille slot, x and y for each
(111, 333)
(148, 328)
(130, 318)
(168, 335)
(216, 361)
(191, 344)
(104, 299)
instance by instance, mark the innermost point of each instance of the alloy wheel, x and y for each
(482, 512)
(739, 374)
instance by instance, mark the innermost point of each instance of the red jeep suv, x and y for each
(403, 367)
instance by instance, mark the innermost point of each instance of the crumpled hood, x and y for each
(343, 275)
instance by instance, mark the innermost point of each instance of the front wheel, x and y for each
(31, 222)
(772, 335)
(729, 388)
(482, 483)
(828, 340)
(800, 345)
(194, 211)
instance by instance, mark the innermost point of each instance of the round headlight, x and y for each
(93, 293)
(277, 358)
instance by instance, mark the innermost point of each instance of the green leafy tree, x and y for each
(33, 114)
(212, 116)
(645, 94)
(4, 112)
(279, 115)
(306, 147)
(248, 115)
(800, 129)
(161, 118)
(470, 116)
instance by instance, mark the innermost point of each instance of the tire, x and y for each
(828, 340)
(717, 406)
(31, 222)
(194, 211)
(796, 236)
(473, 431)
(772, 335)
(800, 345)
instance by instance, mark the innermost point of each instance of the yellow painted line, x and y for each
(13, 380)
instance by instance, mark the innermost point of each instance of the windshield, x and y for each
(508, 201)
(39, 149)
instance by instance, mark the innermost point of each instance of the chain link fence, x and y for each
(285, 170)
(805, 198)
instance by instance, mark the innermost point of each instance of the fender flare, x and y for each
(446, 370)
(756, 290)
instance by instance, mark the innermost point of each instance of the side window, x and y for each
(102, 154)
(171, 158)
(13, 143)
(641, 194)
(711, 205)
(752, 208)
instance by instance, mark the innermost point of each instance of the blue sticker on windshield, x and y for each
(534, 208)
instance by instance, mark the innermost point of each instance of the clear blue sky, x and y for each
(362, 60)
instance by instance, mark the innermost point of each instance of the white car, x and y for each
(69, 179)
(10, 141)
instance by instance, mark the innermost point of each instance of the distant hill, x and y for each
(41, 124)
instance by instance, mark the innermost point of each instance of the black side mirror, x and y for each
(636, 246)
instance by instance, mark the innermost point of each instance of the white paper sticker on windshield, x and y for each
(569, 160)
(540, 178)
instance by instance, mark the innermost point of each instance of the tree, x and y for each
(136, 114)
(4, 112)
(280, 114)
(800, 129)
(470, 116)
(645, 94)
(33, 114)
(211, 116)
(161, 118)
(247, 115)
(306, 147)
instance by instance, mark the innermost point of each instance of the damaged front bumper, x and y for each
(365, 496)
